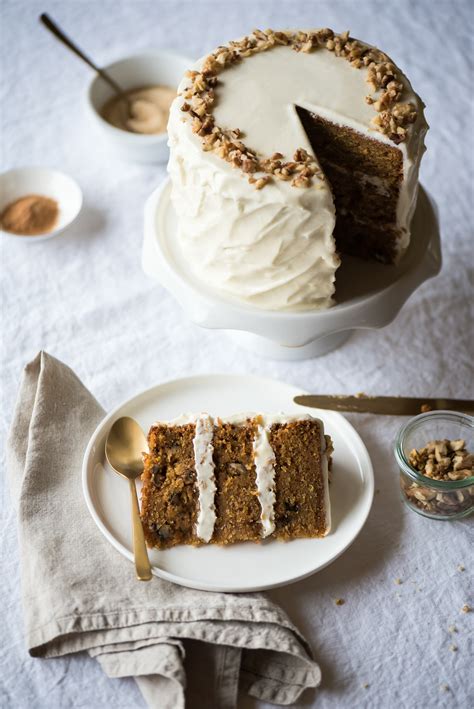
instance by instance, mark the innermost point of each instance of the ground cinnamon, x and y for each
(30, 215)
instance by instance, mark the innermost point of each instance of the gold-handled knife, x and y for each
(389, 405)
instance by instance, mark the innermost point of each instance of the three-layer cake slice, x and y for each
(241, 478)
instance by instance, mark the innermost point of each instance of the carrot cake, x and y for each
(288, 149)
(241, 478)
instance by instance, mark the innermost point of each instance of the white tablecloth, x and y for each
(83, 298)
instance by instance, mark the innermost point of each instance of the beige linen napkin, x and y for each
(80, 594)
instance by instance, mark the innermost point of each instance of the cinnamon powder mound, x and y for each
(30, 215)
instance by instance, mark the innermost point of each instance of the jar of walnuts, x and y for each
(435, 454)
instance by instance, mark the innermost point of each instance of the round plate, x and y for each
(237, 567)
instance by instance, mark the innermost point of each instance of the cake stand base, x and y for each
(272, 350)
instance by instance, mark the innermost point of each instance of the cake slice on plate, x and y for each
(241, 478)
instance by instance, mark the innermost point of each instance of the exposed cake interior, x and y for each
(240, 479)
(170, 468)
(300, 508)
(365, 176)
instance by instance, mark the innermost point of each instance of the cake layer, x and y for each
(373, 198)
(237, 506)
(170, 469)
(348, 147)
(366, 239)
(298, 454)
(253, 477)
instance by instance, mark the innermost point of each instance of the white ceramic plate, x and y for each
(239, 567)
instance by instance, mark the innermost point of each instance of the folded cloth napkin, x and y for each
(79, 594)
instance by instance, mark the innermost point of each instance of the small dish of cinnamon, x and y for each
(37, 203)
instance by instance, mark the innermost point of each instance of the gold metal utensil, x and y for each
(389, 405)
(123, 449)
(54, 28)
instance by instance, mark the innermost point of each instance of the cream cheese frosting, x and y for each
(273, 248)
(206, 485)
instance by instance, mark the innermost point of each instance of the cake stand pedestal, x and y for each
(272, 350)
(368, 295)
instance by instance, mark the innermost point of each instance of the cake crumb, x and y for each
(453, 647)
(339, 601)
(466, 608)
(461, 567)
(398, 582)
(452, 629)
(444, 688)
(366, 685)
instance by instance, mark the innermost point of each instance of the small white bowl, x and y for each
(24, 181)
(159, 67)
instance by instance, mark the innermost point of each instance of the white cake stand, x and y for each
(368, 295)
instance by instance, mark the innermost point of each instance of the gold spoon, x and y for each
(123, 449)
(48, 22)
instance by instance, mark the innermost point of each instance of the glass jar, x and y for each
(437, 499)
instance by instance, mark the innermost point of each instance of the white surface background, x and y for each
(83, 298)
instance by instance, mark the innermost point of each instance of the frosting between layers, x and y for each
(273, 248)
(265, 478)
(204, 464)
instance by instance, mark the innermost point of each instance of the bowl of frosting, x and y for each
(135, 128)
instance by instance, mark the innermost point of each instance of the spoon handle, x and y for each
(142, 563)
(62, 36)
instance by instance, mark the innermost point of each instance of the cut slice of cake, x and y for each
(241, 478)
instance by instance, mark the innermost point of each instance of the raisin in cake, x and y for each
(242, 478)
(286, 150)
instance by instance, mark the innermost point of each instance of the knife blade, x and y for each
(385, 405)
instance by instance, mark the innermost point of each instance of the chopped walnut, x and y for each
(442, 461)
(261, 182)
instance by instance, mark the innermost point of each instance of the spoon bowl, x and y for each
(124, 448)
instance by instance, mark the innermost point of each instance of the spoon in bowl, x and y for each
(123, 449)
(51, 25)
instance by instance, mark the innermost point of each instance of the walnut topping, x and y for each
(261, 182)
(446, 461)
(393, 116)
(443, 460)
